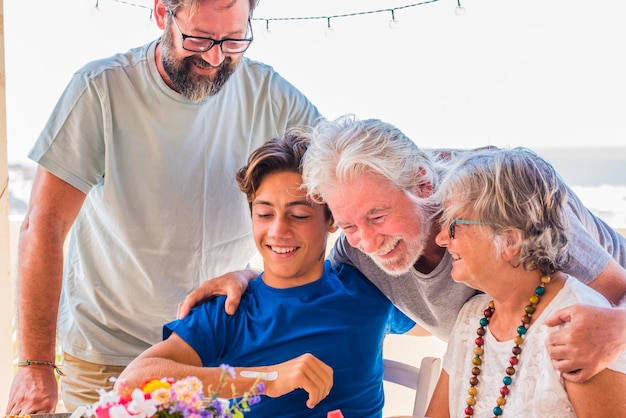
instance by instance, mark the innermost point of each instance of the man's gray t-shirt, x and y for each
(162, 211)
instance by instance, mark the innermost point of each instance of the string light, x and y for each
(329, 29)
(393, 23)
(129, 3)
(460, 10)
(150, 22)
(268, 32)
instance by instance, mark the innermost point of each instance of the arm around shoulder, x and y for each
(591, 340)
(593, 336)
(232, 285)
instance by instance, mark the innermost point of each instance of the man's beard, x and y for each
(404, 262)
(194, 87)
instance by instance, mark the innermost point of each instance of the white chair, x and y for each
(423, 379)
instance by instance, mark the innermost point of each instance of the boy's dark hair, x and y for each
(275, 155)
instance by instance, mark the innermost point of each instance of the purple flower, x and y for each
(229, 369)
(217, 405)
(253, 400)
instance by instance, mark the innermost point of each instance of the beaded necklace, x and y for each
(517, 350)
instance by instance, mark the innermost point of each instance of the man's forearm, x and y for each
(40, 272)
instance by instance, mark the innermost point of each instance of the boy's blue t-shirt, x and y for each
(342, 319)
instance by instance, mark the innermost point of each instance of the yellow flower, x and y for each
(155, 384)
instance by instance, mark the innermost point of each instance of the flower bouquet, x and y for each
(168, 398)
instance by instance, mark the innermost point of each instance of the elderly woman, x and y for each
(504, 225)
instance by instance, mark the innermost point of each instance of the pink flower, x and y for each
(167, 398)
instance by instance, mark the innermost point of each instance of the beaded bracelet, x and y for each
(41, 363)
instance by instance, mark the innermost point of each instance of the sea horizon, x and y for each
(588, 166)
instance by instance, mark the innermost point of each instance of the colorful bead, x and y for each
(513, 361)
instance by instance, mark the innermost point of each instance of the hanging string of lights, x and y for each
(392, 23)
(328, 18)
(128, 3)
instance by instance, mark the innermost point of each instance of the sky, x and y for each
(535, 73)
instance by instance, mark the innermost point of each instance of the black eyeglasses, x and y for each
(200, 44)
(462, 222)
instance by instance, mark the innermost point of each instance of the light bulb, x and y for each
(268, 31)
(393, 23)
(329, 29)
(95, 11)
(460, 10)
(150, 21)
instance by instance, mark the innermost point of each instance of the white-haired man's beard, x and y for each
(408, 254)
(194, 87)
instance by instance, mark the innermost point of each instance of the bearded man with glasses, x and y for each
(204, 72)
(137, 160)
